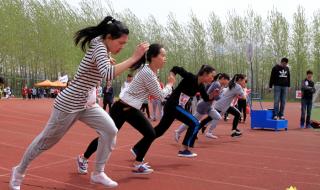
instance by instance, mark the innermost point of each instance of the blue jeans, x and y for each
(280, 94)
(306, 104)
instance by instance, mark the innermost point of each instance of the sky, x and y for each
(202, 8)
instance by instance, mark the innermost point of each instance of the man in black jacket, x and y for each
(307, 89)
(280, 79)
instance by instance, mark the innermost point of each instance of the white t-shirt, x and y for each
(92, 98)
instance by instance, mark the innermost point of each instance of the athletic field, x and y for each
(260, 160)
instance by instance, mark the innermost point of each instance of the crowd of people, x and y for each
(210, 95)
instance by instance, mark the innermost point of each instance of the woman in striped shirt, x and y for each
(73, 103)
(127, 109)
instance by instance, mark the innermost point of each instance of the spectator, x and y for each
(34, 93)
(107, 95)
(307, 89)
(126, 84)
(280, 79)
(24, 92)
(7, 90)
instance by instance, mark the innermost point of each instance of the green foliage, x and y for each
(36, 39)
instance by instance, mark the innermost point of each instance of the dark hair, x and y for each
(284, 60)
(309, 72)
(220, 76)
(205, 69)
(129, 75)
(153, 51)
(109, 25)
(235, 79)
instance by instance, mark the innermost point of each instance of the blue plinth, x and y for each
(262, 119)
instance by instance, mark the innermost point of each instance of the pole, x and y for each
(249, 59)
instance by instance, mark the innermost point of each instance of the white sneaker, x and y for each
(103, 179)
(176, 136)
(211, 135)
(16, 179)
(82, 164)
(142, 168)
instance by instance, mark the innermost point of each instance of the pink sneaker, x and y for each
(16, 179)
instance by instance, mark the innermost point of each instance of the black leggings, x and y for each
(232, 110)
(120, 113)
(242, 107)
(170, 114)
(145, 106)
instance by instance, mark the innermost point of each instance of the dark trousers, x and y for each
(145, 107)
(170, 114)
(280, 94)
(105, 103)
(306, 107)
(242, 107)
(120, 113)
(231, 110)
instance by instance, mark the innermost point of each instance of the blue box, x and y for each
(262, 119)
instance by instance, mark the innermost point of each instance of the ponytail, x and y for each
(220, 76)
(153, 51)
(108, 25)
(141, 62)
(217, 77)
(235, 79)
(205, 69)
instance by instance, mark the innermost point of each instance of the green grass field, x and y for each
(315, 114)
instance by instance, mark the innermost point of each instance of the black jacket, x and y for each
(108, 94)
(280, 76)
(307, 89)
(188, 85)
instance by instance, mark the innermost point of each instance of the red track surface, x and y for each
(259, 160)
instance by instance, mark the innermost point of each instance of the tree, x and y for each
(278, 35)
(299, 45)
(216, 43)
(316, 45)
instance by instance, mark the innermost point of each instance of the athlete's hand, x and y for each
(112, 61)
(140, 50)
(171, 80)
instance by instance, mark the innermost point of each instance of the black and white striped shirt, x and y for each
(144, 84)
(94, 66)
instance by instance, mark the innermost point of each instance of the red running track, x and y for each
(259, 160)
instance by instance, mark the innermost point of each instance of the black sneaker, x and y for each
(236, 133)
(186, 153)
(275, 118)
